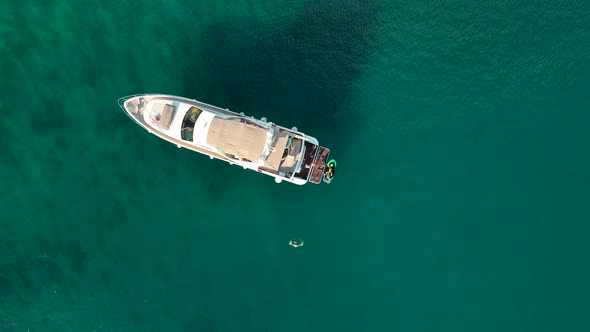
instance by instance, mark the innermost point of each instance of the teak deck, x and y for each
(317, 170)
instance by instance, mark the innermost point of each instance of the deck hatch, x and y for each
(163, 114)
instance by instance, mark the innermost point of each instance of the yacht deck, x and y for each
(317, 170)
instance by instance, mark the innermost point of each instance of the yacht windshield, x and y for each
(188, 123)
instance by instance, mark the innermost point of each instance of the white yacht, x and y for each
(258, 145)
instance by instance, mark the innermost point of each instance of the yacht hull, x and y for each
(255, 144)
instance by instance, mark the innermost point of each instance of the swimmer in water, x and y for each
(296, 243)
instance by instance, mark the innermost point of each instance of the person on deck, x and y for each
(330, 171)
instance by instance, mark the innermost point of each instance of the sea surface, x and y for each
(461, 201)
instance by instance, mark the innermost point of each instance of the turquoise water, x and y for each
(460, 130)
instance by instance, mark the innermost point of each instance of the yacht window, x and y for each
(188, 123)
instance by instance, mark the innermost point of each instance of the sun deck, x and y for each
(238, 138)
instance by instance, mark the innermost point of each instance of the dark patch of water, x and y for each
(300, 73)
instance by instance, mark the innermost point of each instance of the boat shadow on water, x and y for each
(298, 73)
